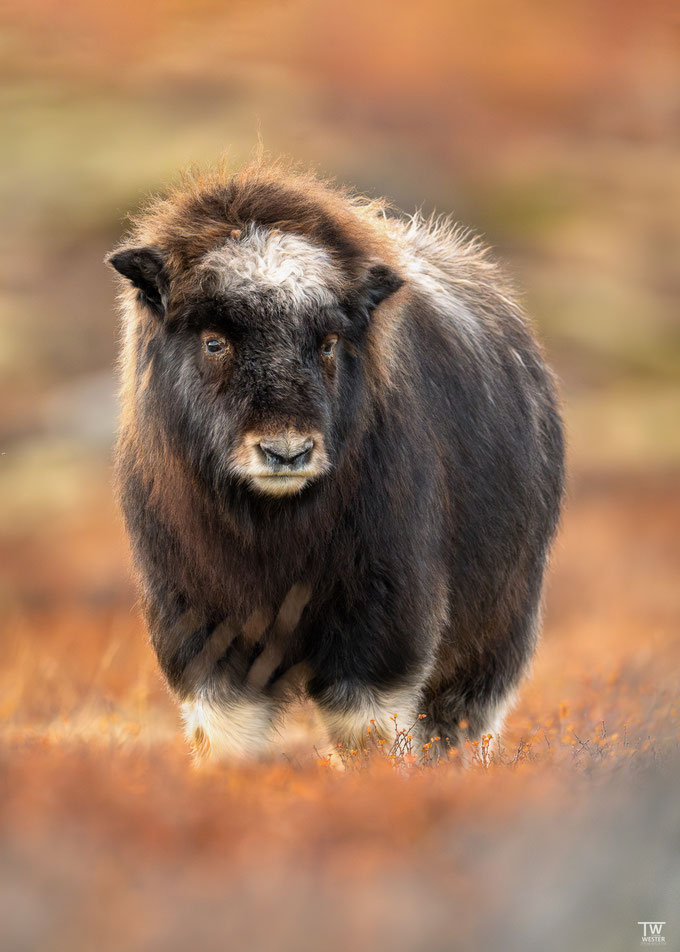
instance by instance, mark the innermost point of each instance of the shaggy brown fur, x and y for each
(268, 309)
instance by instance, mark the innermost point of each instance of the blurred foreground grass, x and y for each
(110, 838)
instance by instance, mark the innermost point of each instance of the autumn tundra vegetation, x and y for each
(551, 131)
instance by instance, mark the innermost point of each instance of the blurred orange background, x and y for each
(553, 129)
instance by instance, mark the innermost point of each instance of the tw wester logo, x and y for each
(651, 933)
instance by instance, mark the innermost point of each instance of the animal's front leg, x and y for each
(372, 659)
(228, 725)
(357, 715)
(220, 675)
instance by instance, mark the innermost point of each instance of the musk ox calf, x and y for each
(340, 462)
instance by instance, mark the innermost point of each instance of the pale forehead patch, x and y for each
(300, 272)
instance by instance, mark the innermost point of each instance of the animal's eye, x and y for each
(215, 345)
(328, 346)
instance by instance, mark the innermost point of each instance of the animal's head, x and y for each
(255, 371)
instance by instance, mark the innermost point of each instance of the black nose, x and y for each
(283, 451)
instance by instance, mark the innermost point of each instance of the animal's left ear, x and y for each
(144, 267)
(378, 284)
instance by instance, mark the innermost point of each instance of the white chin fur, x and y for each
(279, 485)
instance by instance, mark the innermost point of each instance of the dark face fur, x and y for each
(256, 382)
(263, 395)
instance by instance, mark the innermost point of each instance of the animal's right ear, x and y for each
(145, 268)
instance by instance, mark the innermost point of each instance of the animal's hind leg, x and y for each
(473, 694)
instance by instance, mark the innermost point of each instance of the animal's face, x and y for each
(258, 374)
(268, 393)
